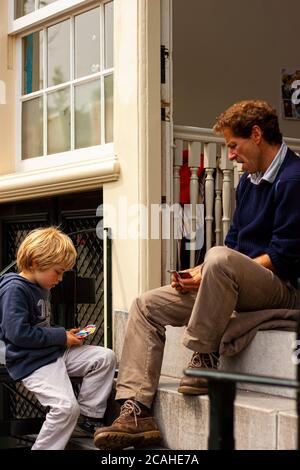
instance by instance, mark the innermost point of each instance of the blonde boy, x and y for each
(44, 357)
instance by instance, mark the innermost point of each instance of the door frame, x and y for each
(167, 126)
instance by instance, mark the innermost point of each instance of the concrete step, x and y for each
(268, 354)
(261, 422)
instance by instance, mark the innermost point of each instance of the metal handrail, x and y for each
(222, 376)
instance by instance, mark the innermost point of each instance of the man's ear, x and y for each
(257, 134)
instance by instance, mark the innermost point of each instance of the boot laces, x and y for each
(206, 360)
(130, 407)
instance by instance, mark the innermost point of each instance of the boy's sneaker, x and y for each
(86, 426)
(134, 427)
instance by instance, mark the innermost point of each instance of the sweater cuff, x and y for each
(59, 336)
(277, 262)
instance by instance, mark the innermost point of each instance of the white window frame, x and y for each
(41, 15)
(72, 156)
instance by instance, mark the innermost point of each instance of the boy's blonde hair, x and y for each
(47, 247)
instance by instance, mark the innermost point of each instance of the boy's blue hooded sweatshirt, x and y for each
(30, 341)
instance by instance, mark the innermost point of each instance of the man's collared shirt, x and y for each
(273, 169)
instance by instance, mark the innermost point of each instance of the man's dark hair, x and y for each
(242, 116)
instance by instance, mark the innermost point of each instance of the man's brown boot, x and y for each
(133, 427)
(198, 385)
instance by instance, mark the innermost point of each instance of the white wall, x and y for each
(136, 261)
(225, 51)
(7, 96)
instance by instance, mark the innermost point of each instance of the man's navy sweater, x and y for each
(267, 219)
(30, 341)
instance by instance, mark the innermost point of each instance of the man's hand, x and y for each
(265, 260)
(190, 284)
(72, 339)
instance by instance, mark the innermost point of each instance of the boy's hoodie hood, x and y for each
(7, 279)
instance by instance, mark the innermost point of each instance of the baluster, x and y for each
(210, 163)
(218, 206)
(226, 166)
(237, 173)
(194, 162)
(178, 161)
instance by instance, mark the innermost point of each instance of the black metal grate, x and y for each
(23, 404)
(89, 264)
(15, 232)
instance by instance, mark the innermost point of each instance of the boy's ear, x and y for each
(34, 265)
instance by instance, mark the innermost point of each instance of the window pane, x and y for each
(109, 97)
(33, 62)
(87, 43)
(59, 121)
(109, 34)
(32, 128)
(43, 3)
(23, 7)
(59, 53)
(87, 114)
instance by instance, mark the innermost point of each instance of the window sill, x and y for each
(61, 179)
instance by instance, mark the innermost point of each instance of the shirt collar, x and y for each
(271, 172)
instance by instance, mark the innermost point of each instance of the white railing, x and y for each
(221, 179)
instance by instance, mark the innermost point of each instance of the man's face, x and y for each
(245, 150)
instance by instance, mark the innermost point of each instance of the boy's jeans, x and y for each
(52, 387)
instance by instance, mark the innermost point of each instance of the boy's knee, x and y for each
(110, 358)
(103, 358)
(75, 410)
(70, 409)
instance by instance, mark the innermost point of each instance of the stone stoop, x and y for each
(261, 422)
(265, 417)
(268, 354)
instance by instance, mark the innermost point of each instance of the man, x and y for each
(257, 269)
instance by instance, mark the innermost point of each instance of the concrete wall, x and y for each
(7, 95)
(233, 50)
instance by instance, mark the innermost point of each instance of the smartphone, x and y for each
(184, 274)
(172, 271)
(86, 331)
(180, 274)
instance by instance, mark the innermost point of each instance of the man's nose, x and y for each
(232, 155)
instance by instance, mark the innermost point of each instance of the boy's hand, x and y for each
(72, 339)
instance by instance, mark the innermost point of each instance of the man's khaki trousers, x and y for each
(230, 281)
